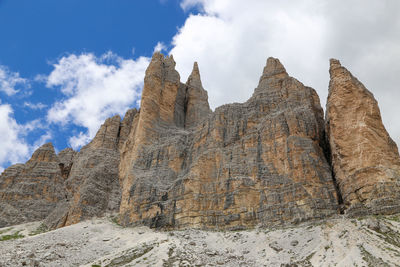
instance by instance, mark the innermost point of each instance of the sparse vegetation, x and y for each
(370, 259)
(15, 235)
(40, 230)
(115, 220)
(395, 218)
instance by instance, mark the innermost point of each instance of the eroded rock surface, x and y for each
(175, 164)
(365, 159)
(196, 104)
(30, 191)
(260, 162)
(92, 185)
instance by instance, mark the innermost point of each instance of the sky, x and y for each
(67, 65)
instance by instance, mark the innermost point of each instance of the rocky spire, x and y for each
(197, 107)
(161, 91)
(45, 153)
(365, 159)
(194, 78)
(273, 68)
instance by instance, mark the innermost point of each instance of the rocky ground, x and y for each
(369, 241)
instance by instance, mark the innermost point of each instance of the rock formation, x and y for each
(260, 162)
(92, 185)
(365, 159)
(272, 160)
(196, 104)
(30, 191)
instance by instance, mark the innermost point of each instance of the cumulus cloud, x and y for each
(232, 39)
(11, 81)
(160, 46)
(13, 146)
(94, 89)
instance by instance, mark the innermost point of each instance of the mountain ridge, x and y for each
(174, 163)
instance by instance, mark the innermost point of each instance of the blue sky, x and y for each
(67, 65)
(35, 35)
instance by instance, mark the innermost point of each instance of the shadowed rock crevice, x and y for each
(259, 162)
(174, 163)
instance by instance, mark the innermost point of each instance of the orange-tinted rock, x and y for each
(260, 162)
(175, 163)
(365, 159)
(196, 104)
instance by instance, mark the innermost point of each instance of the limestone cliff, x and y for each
(272, 160)
(260, 162)
(364, 158)
(92, 185)
(30, 191)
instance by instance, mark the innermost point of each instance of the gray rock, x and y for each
(275, 246)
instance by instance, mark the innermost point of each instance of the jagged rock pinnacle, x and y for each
(194, 79)
(364, 158)
(197, 107)
(44, 153)
(273, 68)
(176, 164)
(334, 63)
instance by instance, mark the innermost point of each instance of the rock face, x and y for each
(196, 104)
(260, 162)
(365, 159)
(272, 160)
(30, 191)
(92, 185)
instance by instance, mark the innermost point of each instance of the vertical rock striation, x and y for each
(92, 184)
(30, 191)
(260, 162)
(364, 158)
(174, 163)
(196, 105)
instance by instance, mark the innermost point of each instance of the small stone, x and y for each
(184, 263)
(275, 246)
(211, 252)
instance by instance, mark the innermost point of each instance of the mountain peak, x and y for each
(194, 79)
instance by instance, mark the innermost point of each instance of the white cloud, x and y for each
(10, 81)
(231, 40)
(95, 88)
(160, 46)
(13, 147)
(34, 106)
(42, 140)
